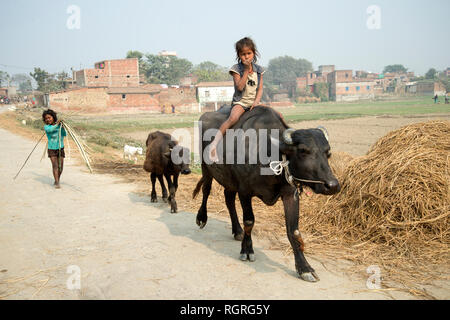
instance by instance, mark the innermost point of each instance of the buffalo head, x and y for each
(308, 152)
(180, 157)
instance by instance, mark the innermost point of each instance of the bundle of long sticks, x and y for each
(82, 146)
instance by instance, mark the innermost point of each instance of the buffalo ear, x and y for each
(287, 149)
(167, 153)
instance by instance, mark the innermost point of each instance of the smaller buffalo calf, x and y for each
(164, 157)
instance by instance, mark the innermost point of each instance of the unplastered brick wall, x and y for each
(80, 99)
(133, 101)
(181, 96)
(113, 73)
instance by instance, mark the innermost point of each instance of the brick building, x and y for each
(110, 73)
(343, 87)
(105, 99)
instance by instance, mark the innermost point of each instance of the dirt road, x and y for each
(128, 248)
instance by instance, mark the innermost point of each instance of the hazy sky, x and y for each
(414, 33)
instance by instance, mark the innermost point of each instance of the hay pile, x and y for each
(394, 206)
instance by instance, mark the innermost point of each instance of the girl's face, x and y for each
(246, 55)
(49, 119)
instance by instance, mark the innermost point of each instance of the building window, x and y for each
(96, 77)
(346, 75)
(357, 88)
(368, 87)
(124, 96)
(128, 75)
(347, 88)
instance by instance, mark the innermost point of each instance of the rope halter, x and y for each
(277, 168)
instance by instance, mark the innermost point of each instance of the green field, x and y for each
(108, 130)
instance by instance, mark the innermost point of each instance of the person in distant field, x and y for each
(173, 108)
(436, 98)
(55, 135)
(446, 100)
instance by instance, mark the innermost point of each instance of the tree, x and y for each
(286, 69)
(23, 81)
(209, 71)
(41, 77)
(169, 70)
(49, 82)
(393, 68)
(4, 78)
(431, 74)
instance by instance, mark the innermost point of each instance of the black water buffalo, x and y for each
(305, 156)
(158, 161)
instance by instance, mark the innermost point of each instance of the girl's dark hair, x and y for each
(50, 112)
(246, 42)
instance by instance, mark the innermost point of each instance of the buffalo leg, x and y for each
(163, 187)
(171, 186)
(291, 213)
(202, 215)
(153, 194)
(249, 221)
(230, 199)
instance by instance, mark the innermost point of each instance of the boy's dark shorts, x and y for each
(55, 153)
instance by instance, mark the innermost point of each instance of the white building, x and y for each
(214, 92)
(166, 53)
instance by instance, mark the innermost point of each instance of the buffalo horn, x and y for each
(287, 136)
(325, 132)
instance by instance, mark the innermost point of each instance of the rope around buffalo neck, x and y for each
(278, 166)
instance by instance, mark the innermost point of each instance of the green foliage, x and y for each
(4, 77)
(169, 70)
(49, 82)
(286, 69)
(321, 91)
(23, 81)
(209, 71)
(395, 68)
(431, 74)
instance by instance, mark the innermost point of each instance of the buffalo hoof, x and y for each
(239, 236)
(173, 210)
(154, 200)
(201, 219)
(165, 199)
(309, 277)
(250, 257)
(201, 224)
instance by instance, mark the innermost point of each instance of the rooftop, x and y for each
(216, 84)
